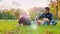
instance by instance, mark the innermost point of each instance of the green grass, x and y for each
(9, 27)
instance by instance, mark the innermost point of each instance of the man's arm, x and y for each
(38, 17)
(51, 16)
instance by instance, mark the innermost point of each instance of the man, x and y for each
(47, 17)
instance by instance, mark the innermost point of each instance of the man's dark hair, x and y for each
(47, 8)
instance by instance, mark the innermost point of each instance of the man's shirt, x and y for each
(48, 15)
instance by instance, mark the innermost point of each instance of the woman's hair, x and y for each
(24, 13)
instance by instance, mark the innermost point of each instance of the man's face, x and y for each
(46, 11)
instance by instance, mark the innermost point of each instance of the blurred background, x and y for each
(11, 9)
(10, 12)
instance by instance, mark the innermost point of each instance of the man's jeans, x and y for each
(48, 23)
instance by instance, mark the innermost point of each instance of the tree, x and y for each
(1, 15)
(53, 9)
(35, 11)
(12, 11)
(17, 13)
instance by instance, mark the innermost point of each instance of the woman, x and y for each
(24, 19)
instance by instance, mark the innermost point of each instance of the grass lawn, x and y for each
(9, 27)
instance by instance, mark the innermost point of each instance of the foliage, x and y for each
(10, 14)
(35, 11)
(53, 9)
